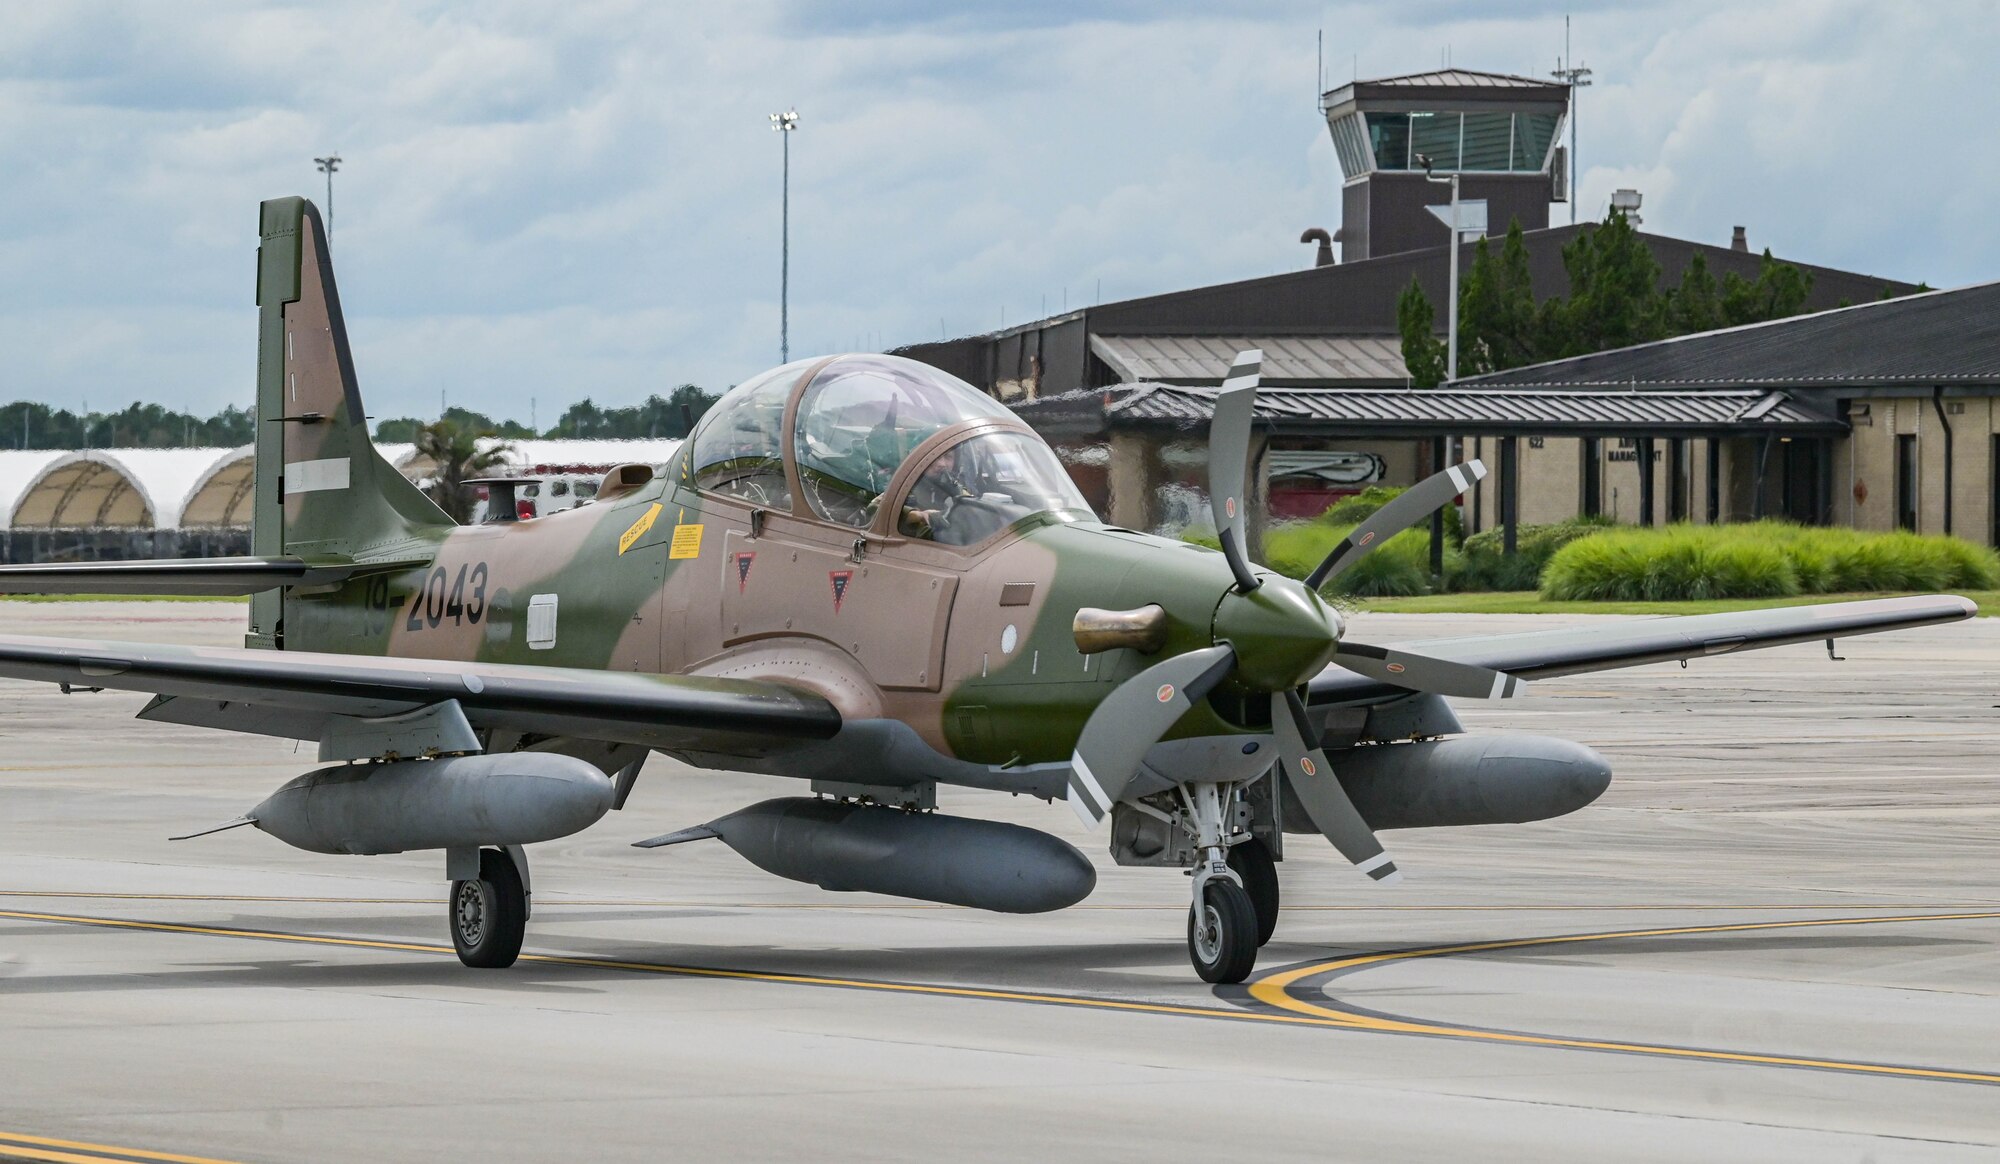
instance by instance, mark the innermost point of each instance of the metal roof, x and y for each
(1204, 359)
(1469, 78)
(1435, 412)
(1939, 337)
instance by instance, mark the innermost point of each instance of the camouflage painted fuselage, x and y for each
(970, 646)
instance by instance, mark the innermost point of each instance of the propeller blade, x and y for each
(1428, 673)
(1229, 461)
(1131, 720)
(1415, 504)
(1320, 793)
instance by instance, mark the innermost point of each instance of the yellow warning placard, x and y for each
(639, 528)
(687, 542)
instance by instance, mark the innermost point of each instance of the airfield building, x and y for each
(1779, 420)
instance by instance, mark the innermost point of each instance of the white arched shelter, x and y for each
(222, 495)
(111, 489)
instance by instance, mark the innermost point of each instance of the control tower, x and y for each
(1499, 132)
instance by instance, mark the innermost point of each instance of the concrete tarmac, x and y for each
(1777, 937)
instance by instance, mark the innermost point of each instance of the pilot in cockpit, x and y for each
(936, 494)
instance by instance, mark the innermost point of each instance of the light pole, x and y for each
(1451, 298)
(327, 165)
(784, 123)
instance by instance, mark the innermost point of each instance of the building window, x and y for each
(1487, 142)
(1478, 142)
(1351, 146)
(1906, 481)
(1534, 133)
(1436, 136)
(1389, 137)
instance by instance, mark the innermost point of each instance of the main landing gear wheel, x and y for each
(1222, 933)
(489, 916)
(1253, 863)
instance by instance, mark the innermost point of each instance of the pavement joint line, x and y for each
(1271, 990)
(21, 1146)
(1276, 990)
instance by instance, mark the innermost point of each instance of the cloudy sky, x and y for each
(547, 201)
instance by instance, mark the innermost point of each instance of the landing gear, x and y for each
(1222, 933)
(489, 916)
(1253, 864)
(1222, 922)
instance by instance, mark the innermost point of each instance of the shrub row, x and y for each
(1760, 560)
(1489, 567)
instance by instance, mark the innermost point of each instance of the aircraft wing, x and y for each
(1575, 650)
(196, 576)
(294, 694)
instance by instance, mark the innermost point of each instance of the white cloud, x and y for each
(557, 201)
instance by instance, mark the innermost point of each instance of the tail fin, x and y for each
(321, 488)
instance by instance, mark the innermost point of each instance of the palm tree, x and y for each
(457, 456)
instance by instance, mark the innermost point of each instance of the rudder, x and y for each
(321, 489)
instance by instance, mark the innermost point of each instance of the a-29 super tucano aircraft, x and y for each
(861, 572)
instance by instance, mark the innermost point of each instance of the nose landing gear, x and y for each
(1222, 932)
(1227, 921)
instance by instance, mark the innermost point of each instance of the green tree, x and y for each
(1499, 325)
(657, 417)
(1614, 299)
(401, 430)
(1423, 352)
(457, 457)
(1695, 306)
(1780, 290)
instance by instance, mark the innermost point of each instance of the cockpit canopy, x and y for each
(857, 422)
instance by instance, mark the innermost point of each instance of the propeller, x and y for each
(1271, 634)
(1229, 461)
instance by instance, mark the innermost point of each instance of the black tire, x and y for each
(488, 917)
(1222, 934)
(1252, 862)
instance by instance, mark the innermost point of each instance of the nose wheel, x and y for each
(1222, 933)
(489, 917)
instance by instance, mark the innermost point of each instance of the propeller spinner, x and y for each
(1273, 634)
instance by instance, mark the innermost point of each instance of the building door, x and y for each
(1906, 481)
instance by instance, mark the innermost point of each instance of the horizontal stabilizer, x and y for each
(224, 827)
(697, 833)
(192, 576)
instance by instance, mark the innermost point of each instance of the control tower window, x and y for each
(1533, 133)
(1486, 140)
(1435, 136)
(1476, 142)
(1389, 133)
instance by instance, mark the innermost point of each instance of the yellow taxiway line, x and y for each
(1277, 989)
(20, 1146)
(1273, 990)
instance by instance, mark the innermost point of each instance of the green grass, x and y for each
(1531, 602)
